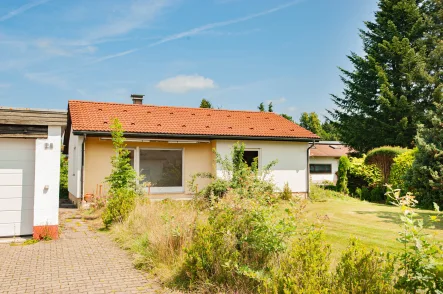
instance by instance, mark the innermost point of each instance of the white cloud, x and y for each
(4, 85)
(22, 9)
(183, 84)
(291, 109)
(280, 100)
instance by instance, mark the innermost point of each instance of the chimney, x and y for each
(137, 98)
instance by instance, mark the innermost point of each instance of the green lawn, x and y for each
(376, 225)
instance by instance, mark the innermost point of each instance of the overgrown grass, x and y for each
(156, 234)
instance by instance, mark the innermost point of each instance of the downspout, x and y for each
(308, 170)
(82, 177)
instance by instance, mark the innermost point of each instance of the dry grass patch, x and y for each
(156, 233)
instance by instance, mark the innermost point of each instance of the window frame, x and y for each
(320, 172)
(258, 150)
(159, 190)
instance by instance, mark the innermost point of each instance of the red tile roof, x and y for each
(329, 150)
(165, 120)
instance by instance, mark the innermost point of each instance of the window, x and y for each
(249, 156)
(163, 168)
(320, 168)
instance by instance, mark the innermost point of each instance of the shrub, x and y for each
(237, 175)
(286, 194)
(63, 190)
(401, 168)
(421, 260)
(362, 175)
(217, 188)
(364, 271)
(342, 180)
(240, 238)
(119, 205)
(383, 158)
(318, 193)
(304, 268)
(377, 194)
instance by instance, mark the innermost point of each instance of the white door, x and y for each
(17, 162)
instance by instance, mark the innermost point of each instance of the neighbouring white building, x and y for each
(323, 162)
(170, 144)
(30, 148)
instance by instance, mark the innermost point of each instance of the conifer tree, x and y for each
(261, 107)
(427, 171)
(388, 92)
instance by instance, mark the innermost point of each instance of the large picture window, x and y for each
(163, 168)
(320, 168)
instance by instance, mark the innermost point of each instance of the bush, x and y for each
(400, 170)
(286, 194)
(420, 267)
(383, 158)
(240, 238)
(362, 175)
(342, 180)
(247, 181)
(119, 205)
(378, 194)
(217, 188)
(304, 268)
(63, 192)
(364, 271)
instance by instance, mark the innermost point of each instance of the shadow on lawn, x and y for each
(394, 217)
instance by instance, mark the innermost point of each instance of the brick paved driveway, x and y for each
(81, 261)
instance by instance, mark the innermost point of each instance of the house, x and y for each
(169, 144)
(323, 162)
(30, 148)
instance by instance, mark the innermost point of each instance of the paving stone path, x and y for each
(81, 261)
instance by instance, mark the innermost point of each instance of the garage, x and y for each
(30, 146)
(17, 157)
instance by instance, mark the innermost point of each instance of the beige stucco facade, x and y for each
(197, 157)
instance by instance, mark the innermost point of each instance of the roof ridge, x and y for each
(168, 106)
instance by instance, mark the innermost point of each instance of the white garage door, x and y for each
(17, 161)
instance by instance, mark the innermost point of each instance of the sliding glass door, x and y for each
(163, 168)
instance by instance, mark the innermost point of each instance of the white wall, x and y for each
(320, 178)
(75, 165)
(291, 166)
(47, 178)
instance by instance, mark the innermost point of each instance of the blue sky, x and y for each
(236, 53)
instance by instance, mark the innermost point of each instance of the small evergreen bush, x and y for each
(286, 194)
(342, 181)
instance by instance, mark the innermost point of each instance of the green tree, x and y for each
(427, 169)
(288, 117)
(205, 104)
(270, 107)
(389, 90)
(330, 132)
(261, 107)
(311, 122)
(122, 174)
